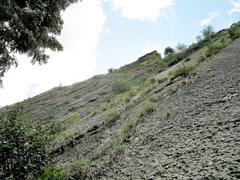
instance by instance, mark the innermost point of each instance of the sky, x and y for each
(101, 34)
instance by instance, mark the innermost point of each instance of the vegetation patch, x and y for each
(147, 109)
(211, 50)
(167, 113)
(119, 87)
(153, 98)
(173, 58)
(183, 70)
(23, 147)
(54, 173)
(64, 171)
(129, 125)
(174, 87)
(112, 116)
(117, 146)
(77, 165)
(66, 135)
(234, 31)
(75, 118)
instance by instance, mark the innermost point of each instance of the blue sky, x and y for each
(125, 39)
(102, 34)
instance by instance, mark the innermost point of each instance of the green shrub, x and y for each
(69, 133)
(187, 59)
(54, 128)
(201, 58)
(208, 32)
(112, 116)
(152, 80)
(76, 165)
(22, 147)
(212, 50)
(147, 109)
(167, 113)
(181, 47)
(234, 31)
(128, 126)
(51, 114)
(54, 173)
(117, 145)
(75, 117)
(183, 70)
(119, 87)
(168, 50)
(153, 98)
(111, 70)
(64, 171)
(172, 59)
(170, 90)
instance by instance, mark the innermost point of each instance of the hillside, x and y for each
(171, 118)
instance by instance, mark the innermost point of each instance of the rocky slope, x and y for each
(200, 139)
(156, 118)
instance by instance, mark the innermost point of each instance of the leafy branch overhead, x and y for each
(29, 27)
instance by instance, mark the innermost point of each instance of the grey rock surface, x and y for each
(201, 139)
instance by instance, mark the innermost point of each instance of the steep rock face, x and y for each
(200, 136)
(192, 134)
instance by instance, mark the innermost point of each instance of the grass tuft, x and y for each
(112, 116)
(147, 109)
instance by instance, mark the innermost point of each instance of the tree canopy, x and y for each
(208, 32)
(29, 27)
(168, 50)
(22, 147)
(180, 47)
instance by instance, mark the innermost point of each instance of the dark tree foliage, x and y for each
(208, 32)
(168, 50)
(234, 31)
(181, 47)
(22, 148)
(29, 27)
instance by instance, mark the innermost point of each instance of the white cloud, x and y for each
(83, 23)
(141, 9)
(235, 8)
(209, 19)
(108, 32)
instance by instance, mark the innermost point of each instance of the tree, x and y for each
(22, 148)
(168, 50)
(234, 30)
(29, 27)
(199, 38)
(208, 32)
(180, 47)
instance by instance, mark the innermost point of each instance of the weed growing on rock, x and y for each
(54, 173)
(112, 116)
(76, 165)
(117, 145)
(64, 171)
(153, 98)
(211, 50)
(147, 109)
(128, 126)
(234, 31)
(75, 118)
(119, 87)
(167, 113)
(68, 134)
(183, 70)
